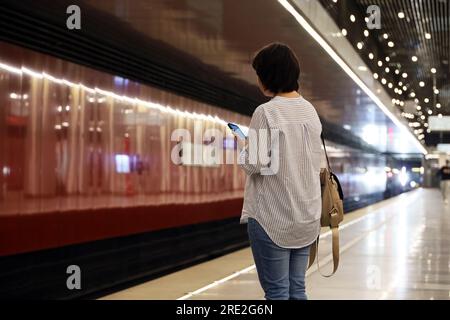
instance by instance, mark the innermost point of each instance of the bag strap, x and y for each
(314, 251)
(325, 149)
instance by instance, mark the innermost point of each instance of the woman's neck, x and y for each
(292, 94)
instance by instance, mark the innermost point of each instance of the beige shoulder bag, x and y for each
(332, 213)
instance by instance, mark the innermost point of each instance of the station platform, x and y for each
(395, 249)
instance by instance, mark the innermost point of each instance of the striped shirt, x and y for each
(286, 203)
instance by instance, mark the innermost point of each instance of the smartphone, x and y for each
(237, 131)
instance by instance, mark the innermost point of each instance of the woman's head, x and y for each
(277, 68)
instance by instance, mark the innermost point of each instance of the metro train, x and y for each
(88, 178)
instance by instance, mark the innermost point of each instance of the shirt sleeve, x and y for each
(259, 134)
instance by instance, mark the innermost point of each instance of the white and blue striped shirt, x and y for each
(287, 203)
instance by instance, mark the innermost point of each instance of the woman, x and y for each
(282, 202)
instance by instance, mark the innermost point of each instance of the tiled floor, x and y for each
(396, 249)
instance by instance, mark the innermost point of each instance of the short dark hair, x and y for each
(277, 67)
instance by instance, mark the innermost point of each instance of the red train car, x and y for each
(87, 156)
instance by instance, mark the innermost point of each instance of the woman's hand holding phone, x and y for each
(237, 131)
(241, 137)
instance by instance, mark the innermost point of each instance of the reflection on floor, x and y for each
(396, 249)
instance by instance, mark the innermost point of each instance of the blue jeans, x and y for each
(281, 271)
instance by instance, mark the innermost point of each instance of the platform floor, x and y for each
(395, 249)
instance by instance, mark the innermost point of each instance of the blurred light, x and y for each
(387, 69)
(387, 59)
(375, 75)
(432, 156)
(6, 171)
(412, 184)
(391, 44)
(352, 18)
(344, 32)
(408, 115)
(380, 63)
(438, 105)
(385, 36)
(397, 71)
(422, 84)
(428, 36)
(405, 75)
(122, 163)
(229, 143)
(366, 33)
(373, 134)
(436, 91)
(414, 58)
(426, 100)
(360, 45)
(371, 56)
(401, 15)
(443, 148)
(390, 85)
(433, 70)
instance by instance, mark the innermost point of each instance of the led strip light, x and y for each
(318, 38)
(148, 104)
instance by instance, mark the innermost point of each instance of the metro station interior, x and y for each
(87, 121)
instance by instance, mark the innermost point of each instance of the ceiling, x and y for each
(415, 38)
